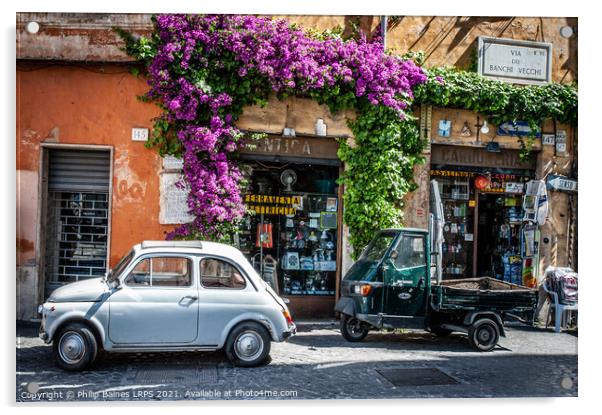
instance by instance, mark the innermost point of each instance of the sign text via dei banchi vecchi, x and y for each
(515, 61)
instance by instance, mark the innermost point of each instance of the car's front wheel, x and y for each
(75, 347)
(248, 344)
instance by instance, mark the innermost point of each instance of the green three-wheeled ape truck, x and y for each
(396, 283)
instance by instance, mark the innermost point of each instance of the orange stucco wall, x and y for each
(88, 105)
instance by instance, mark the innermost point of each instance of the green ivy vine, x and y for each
(500, 101)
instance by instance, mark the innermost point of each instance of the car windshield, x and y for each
(378, 246)
(116, 272)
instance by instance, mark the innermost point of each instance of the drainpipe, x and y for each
(383, 30)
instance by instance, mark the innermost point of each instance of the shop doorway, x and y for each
(499, 229)
(292, 235)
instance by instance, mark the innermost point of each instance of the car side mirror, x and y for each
(393, 254)
(115, 285)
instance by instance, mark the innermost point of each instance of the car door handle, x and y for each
(190, 297)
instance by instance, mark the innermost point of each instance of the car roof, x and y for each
(190, 247)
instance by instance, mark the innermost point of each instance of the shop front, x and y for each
(292, 233)
(485, 232)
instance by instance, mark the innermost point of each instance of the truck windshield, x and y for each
(378, 246)
(116, 272)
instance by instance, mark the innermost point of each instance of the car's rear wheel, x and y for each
(352, 329)
(248, 344)
(75, 347)
(484, 334)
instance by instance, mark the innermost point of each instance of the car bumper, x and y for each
(43, 335)
(289, 333)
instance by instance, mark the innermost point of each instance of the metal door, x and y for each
(76, 216)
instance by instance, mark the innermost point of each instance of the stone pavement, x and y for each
(316, 364)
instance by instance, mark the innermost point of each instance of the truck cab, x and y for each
(389, 285)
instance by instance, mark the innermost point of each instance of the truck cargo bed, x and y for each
(483, 294)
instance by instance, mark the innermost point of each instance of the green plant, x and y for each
(500, 101)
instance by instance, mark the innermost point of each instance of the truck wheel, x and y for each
(248, 344)
(440, 331)
(75, 347)
(352, 329)
(483, 334)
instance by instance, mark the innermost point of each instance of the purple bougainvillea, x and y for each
(287, 58)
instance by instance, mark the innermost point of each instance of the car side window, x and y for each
(410, 252)
(162, 271)
(140, 275)
(216, 273)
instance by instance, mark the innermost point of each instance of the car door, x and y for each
(225, 293)
(156, 303)
(405, 274)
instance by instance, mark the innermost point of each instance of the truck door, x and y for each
(406, 277)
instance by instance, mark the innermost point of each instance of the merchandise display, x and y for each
(490, 224)
(458, 234)
(296, 223)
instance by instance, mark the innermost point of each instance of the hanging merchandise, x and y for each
(530, 253)
(535, 202)
(264, 235)
(528, 277)
(529, 244)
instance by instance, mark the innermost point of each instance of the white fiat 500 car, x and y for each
(168, 296)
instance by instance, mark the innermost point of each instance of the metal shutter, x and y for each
(84, 170)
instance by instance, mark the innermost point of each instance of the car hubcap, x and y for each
(249, 345)
(72, 347)
(485, 336)
(354, 327)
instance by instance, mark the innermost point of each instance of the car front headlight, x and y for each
(41, 309)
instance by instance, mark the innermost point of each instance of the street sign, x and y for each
(515, 61)
(517, 128)
(561, 183)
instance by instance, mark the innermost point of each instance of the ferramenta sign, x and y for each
(516, 61)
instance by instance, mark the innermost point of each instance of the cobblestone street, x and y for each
(316, 364)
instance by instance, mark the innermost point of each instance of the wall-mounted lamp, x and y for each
(485, 127)
(481, 128)
(566, 31)
(32, 28)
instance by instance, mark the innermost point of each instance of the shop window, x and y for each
(291, 238)
(216, 273)
(161, 272)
